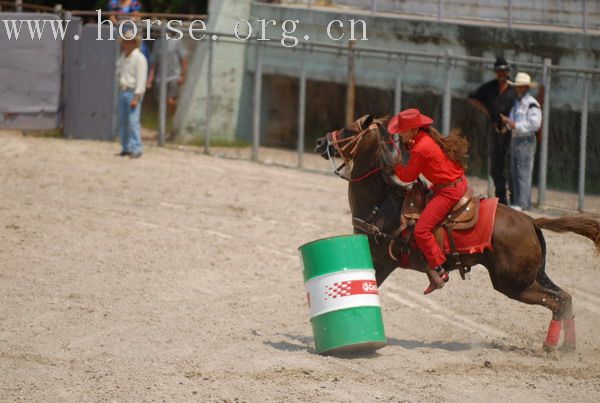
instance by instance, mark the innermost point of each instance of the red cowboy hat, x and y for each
(408, 119)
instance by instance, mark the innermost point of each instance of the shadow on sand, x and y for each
(305, 343)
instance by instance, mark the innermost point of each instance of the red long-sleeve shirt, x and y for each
(427, 158)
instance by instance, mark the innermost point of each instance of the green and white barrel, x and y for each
(342, 295)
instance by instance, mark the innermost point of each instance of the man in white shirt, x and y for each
(132, 68)
(524, 120)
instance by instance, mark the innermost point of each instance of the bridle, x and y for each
(343, 144)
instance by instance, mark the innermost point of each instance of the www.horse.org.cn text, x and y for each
(260, 30)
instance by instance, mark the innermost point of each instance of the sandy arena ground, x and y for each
(176, 278)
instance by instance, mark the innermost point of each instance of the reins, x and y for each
(353, 141)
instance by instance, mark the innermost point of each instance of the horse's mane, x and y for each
(383, 152)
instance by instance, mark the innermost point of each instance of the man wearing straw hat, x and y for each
(132, 70)
(524, 120)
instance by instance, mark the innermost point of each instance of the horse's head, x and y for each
(356, 143)
(344, 143)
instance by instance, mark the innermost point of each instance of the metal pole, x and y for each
(301, 117)
(584, 15)
(19, 6)
(310, 3)
(509, 13)
(490, 180)
(447, 101)
(398, 91)
(257, 102)
(208, 97)
(373, 6)
(351, 88)
(583, 141)
(545, 133)
(162, 105)
(439, 10)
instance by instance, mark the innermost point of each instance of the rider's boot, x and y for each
(438, 278)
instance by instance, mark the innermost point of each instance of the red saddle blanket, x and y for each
(478, 238)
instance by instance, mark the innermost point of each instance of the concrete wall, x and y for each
(547, 12)
(390, 33)
(228, 79)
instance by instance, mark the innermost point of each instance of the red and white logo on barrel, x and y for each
(348, 288)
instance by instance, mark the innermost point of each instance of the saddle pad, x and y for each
(478, 238)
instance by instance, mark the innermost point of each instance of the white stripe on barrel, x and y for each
(342, 290)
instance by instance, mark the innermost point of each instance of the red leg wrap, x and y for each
(553, 333)
(570, 339)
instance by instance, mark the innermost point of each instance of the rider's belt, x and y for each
(449, 184)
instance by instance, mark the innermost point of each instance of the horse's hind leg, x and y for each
(559, 302)
(567, 316)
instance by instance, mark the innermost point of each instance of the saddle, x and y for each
(464, 215)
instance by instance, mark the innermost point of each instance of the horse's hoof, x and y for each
(567, 348)
(549, 348)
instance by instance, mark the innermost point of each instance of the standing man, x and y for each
(132, 70)
(494, 98)
(524, 121)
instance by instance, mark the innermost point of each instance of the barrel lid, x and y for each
(332, 238)
(333, 254)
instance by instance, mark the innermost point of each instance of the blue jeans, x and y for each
(522, 154)
(129, 123)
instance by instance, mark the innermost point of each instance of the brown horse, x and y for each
(516, 262)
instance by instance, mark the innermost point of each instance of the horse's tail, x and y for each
(581, 225)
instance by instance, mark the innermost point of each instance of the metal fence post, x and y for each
(509, 11)
(310, 3)
(162, 103)
(351, 87)
(257, 103)
(208, 97)
(583, 140)
(584, 15)
(398, 89)
(373, 6)
(301, 117)
(447, 100)
(543, 174)
(439, 9)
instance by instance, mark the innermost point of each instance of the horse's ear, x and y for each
(365, 121)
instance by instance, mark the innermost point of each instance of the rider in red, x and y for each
(441, 161)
